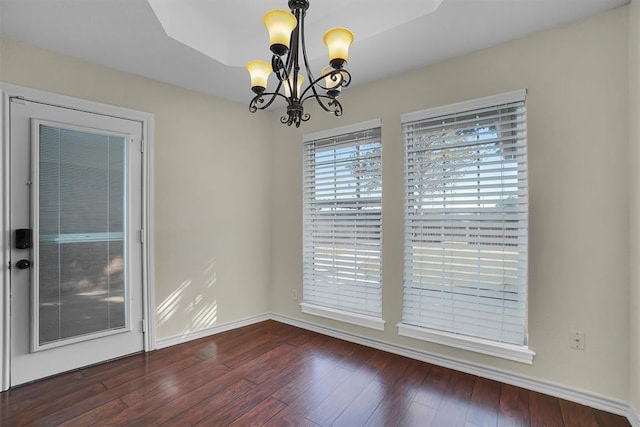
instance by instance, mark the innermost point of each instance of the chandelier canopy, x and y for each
(286, 37)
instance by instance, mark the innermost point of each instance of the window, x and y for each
(466, 210)
(343, 225)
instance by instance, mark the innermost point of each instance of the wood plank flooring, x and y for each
(278, 375)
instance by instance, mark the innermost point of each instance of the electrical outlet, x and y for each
(294, 295)
(576, 340)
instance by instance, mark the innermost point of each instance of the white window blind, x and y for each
(342, 221)
(466, 210)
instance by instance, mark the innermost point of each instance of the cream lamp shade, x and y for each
(338, 41)
(280, 23)
(259, 72)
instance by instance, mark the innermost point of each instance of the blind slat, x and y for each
(466, 222)
(342, 194)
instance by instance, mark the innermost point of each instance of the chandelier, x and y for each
(286, 36)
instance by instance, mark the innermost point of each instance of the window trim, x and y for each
(356, 127)
(358, 319)
(515, 352)
(308, 307)
(474, 104)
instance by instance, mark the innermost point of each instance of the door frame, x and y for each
(9, 91)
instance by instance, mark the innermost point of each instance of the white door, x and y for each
(76, 254)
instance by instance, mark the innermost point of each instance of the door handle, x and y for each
(23, 264)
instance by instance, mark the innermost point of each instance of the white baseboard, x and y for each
(563, 392)
(579, 396)
(190, 336)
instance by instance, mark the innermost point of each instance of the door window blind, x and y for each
(342, 220)
(466, 210)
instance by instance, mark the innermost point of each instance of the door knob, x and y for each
(23, 264)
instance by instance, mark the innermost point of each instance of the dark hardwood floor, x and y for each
(278, 375)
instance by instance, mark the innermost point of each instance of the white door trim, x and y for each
(147, 119)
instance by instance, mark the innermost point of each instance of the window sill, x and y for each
(518, 353)
(344, 316)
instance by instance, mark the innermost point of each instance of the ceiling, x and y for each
(392, 36)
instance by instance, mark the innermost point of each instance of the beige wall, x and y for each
(212, 187)
(228, 245)
(634, 146)
(577, 78)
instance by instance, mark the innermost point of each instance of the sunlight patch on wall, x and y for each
(193, 303)
(205, 317)
(168, 308)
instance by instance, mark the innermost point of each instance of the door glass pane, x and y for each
(82, 211)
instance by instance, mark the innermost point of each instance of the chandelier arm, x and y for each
(298, 9)
(312, 87)
(259, 99)
(304, 55)
(333, 106)
(346, 78)
(324, 107)
(279, 68)
(285, 68)
(336, 76)
(317, 96)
